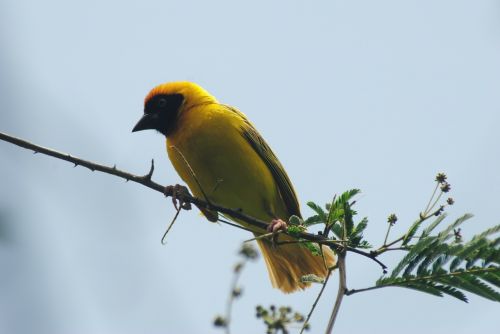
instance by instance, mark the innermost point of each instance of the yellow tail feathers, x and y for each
(287, 263)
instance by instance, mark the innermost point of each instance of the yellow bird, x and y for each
(235, 168)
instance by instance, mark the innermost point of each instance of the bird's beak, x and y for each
(148, 121)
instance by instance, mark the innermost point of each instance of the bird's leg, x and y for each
(178, 192)
(275, 226)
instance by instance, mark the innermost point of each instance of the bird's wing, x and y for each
(267, 155)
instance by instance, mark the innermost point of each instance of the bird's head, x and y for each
(166, 102)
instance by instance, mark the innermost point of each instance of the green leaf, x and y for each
(452, 292)
(296, 229)
(360, 227)
(348, 195)
(491, 277)
(427, 288)
(488, 232)
(447, 232)
(337, 231)
(433, 253)
(313, 220)
(415, 251)
(439, 265)
(318, 209)
(433, 225)
(295, 220)
(466, 280)
(364, 244)
(411, 231)
(336, 209)
(313, 247)
(349, 224)
(356, 237)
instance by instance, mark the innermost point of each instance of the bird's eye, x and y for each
(162, 103)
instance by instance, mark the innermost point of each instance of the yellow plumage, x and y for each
(235, 168)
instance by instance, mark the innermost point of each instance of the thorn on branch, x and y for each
(151, 170)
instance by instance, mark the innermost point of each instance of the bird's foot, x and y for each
(178, 194)
(277, 225)
(274, 227)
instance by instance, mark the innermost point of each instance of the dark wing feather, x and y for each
(267, 155)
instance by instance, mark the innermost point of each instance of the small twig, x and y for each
(370, 256)
(337, 245)
(388, 249)
(191, 171)
(333, 243)
(340, 293)
(229, 304)
(263, 236)
(387, 234)
(324, 258)
(393, 242)
(217, 184)
(342, 280)
(227, 222)
(375, 287)
(428, 207)
(163, 242)
(435, 202)
(318, 297)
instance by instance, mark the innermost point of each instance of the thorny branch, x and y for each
(146, 181)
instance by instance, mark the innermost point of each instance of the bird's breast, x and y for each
(210, 154)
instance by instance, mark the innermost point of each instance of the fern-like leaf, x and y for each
(433, 225)
(439, 264)
(318, 209)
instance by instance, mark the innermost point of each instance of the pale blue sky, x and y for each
(377, 95)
